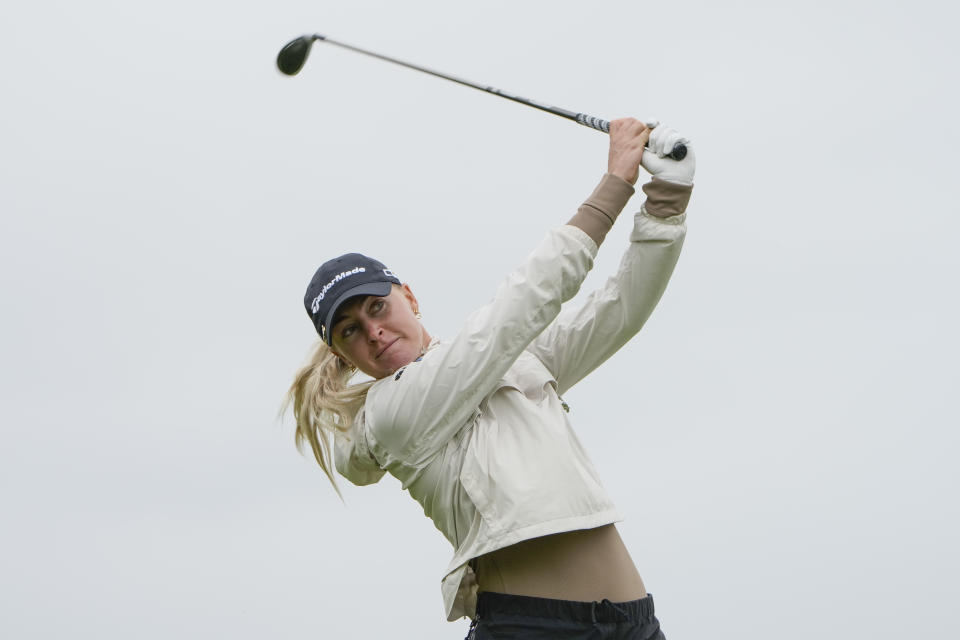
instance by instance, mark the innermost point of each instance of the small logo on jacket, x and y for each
(402, 369)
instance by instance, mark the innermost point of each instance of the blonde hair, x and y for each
(324, 403)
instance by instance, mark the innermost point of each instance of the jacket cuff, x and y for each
(597, 215)
(665, 199)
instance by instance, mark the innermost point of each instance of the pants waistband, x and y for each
(493, 603)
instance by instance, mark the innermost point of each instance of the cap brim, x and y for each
(368, 289)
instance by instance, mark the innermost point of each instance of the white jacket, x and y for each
(476, 431)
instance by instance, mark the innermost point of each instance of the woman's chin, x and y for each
(396, 357)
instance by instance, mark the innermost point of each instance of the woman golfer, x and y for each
(475, 428)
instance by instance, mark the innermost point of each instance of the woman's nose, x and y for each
(373, 332)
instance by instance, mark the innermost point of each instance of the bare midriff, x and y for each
(585, 565)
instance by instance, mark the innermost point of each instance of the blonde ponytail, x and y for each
(324, 403)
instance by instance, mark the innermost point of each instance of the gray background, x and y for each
(782, 436)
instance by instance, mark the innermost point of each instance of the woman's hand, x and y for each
(628, 137)
(660, 165)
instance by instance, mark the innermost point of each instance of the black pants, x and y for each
(506, 617)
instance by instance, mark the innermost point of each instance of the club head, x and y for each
(293, 56)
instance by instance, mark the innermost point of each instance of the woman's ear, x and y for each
(343, 361)
(412, 299)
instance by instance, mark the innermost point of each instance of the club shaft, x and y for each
(564, 113)
(599, 124)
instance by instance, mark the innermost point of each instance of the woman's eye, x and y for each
(376, 306)
(347, 331)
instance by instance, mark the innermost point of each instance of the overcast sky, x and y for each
(782, 437)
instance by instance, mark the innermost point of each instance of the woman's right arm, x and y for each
(628, 138)
(415, 412)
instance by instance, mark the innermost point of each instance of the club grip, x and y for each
(594, 123)
(678, 153)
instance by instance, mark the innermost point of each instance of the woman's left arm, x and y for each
(579, 340)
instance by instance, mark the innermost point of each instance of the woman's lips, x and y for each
(387, 347)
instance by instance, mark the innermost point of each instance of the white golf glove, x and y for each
(661, 166)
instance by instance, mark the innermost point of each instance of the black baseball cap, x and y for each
(338, 280)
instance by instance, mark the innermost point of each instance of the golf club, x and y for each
(293, 56)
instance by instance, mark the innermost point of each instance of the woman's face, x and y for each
(379, 335)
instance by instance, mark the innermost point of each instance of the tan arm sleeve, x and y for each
(596, 216)
(665, 199)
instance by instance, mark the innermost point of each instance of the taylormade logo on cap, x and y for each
(337, 278)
